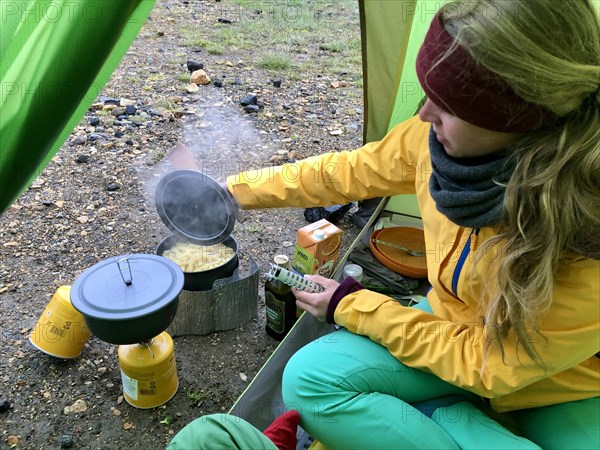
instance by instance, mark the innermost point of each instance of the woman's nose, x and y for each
(429, 112)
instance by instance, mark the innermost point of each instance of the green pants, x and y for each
(220, 432)
(353, 394)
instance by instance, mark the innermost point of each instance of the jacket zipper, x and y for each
(470, 244)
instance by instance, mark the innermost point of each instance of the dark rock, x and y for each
(4, 405)
(79, 140)
(218, 83)
(66, 441)
(277, 82)
(119, 134)
(194, 65)
(111, 187)
(94, 137)
(224, 21)
(249, 99)
(122, 117)
(94, 121)
(155, 112)
(99, 129)
(109, 100)
(129, 142)
(130, 110)
(251, 108)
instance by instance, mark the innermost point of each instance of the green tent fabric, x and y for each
(55, 57)
(392, 32)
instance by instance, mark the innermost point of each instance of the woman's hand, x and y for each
(316, 303)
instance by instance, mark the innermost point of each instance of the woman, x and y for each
(505, 160)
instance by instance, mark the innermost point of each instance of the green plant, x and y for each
(167, 421)
(197, 397)
(253, 228)
(276, 60)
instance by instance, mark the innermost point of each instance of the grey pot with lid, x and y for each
(128, 299)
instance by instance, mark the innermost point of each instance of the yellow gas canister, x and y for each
(148, 372)
(61, 330)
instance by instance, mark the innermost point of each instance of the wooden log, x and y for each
(231, 302)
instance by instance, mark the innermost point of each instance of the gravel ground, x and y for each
(95, 201)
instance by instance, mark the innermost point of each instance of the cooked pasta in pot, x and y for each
(199, 258)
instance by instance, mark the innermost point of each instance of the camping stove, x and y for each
(231, 302)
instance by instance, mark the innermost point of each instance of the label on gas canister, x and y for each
(130, 386)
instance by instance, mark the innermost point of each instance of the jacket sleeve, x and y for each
(378, 169)
(569, 333)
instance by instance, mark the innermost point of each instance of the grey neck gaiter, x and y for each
(469, 191)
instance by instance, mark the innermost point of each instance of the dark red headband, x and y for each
(457, 83)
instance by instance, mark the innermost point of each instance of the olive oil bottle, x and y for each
(280, 304)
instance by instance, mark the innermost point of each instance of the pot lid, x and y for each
(127, 287)
(195, 207)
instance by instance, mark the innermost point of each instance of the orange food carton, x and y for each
(317, 248)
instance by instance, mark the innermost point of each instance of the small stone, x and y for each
(109, 100)
(250, 99)
(128, 425)
(192, 88)
(119, 111)
(94, 137)
(78, 140)
(94, 121)
(111, 187)
(13, 440)
(78, 407)
(224, 21)
(218, 83)
(119, 134)
(66, 441)
(130, 110)
(237, 81)
(251, 108)
(200, 77)
(82, 159)
(277, 82)
(4, 405)
(194, 65)
(129, 142)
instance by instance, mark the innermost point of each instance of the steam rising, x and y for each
(223, 143)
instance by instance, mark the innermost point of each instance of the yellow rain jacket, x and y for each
(450, 342)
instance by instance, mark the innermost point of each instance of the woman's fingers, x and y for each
(315, 303)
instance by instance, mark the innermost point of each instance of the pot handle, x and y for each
(128, 280)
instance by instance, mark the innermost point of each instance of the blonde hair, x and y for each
(549, 53)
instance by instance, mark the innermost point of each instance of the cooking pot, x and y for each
(200, 211)
(195, 207)
(128, 299)
(203, 280)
